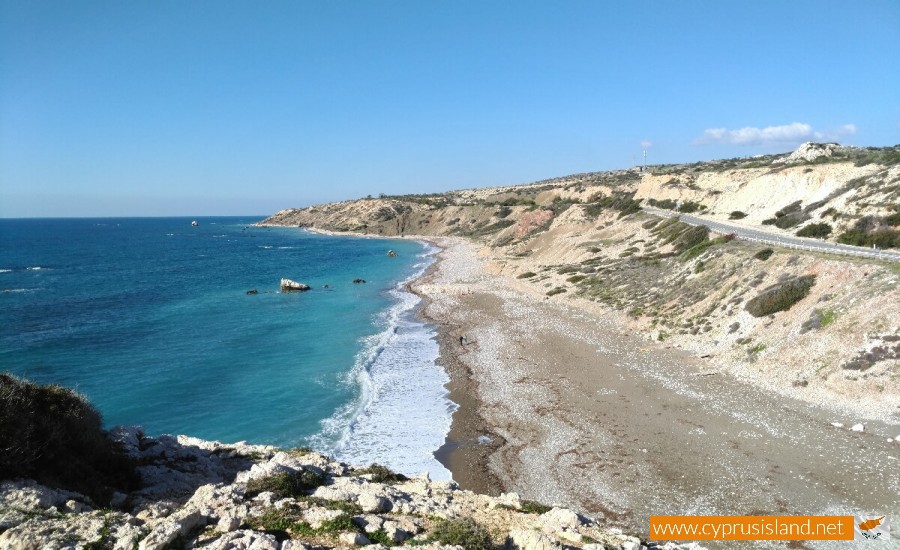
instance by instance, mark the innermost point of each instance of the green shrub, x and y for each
(790, 220)
(381, 537)
(893, 219)
(526, 275)
(465, 532)
(286, 484)
(817, 230)
(555, 291)
(343, 522)
(737, 215)
(380, 474)
(881, 238)
(690, 206)
(780, 297)
(575, 279)
(494, 227)
(696, 250)
(53, 435)
(764, 254)
(667, 204)
(625, 203)
(533, 507)
(691, 238)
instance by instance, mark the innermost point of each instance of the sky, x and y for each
(140, 108)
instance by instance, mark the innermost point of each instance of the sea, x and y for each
(151, 319)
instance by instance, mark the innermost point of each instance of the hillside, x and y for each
(819, 327)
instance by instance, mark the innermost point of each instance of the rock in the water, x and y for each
(391, 254)
(288, 285)
(254, 291)
(358, 281)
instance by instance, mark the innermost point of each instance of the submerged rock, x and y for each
(358, 281)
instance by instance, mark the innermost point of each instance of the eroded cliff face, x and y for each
(584, 240)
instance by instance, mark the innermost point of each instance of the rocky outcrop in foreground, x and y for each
(201, 494)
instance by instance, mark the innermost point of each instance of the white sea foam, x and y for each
(5, 270)
(36, 268)
(403, 412)
(17, 290)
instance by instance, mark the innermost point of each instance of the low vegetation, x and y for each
(871, 231)
(625, 203)
(286, 484)
(781, 296)
(465, 532)
(737, 215)
(815, 230)
(53, 435)
(380, 474)
(764, 254)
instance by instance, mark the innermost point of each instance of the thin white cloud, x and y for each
(646, 144)
(787, 134)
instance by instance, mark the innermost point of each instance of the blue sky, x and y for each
(214, 107)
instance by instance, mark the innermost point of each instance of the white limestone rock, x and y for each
(246, 540)
(526, 539)
(559, 519)
(371, 503)
(354, 539)
(287, 285)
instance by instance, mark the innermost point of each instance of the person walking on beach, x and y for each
(462, 340)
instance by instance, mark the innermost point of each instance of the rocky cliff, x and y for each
(201, 494)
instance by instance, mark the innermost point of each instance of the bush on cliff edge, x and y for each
(53, 435)
(780, 297)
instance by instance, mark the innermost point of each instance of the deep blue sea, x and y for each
(151, 320)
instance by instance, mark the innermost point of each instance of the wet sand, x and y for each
(579, 413)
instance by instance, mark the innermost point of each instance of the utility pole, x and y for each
(644, 169)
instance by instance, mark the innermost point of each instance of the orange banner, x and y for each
(751, 527)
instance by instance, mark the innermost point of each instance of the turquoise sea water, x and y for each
(149, 318)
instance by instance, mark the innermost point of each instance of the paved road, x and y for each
(777, 239)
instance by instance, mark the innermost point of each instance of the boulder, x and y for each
(252, 292)
(288, 285)
(358, 281)
(526, 539)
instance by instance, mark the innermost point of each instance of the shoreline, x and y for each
(584, 413)
(462, 453)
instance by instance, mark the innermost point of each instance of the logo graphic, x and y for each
(865, 528)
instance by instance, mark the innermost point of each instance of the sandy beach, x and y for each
(562, 405)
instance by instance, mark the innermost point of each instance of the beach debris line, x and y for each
(287, 285)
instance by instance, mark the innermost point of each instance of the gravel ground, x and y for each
(569, 408)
